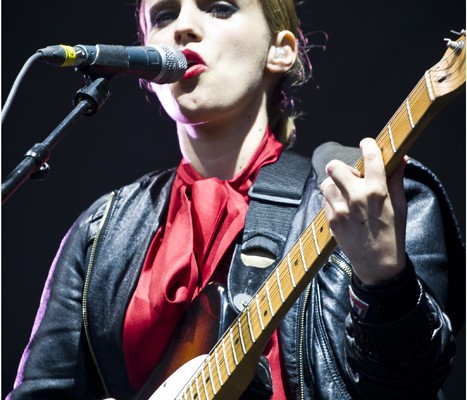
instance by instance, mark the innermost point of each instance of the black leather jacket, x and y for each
(76, 348)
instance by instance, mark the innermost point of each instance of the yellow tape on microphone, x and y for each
(70, 56)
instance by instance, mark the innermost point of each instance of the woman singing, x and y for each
(373, 323)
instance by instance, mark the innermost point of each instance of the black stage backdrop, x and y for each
(377, 52)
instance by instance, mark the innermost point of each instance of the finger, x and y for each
(333, 198)
(375, 174)
(327, 210)
(342, 175)
(329, 190)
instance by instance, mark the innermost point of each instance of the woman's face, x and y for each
(226, 44)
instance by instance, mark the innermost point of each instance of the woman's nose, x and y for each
(188, 26)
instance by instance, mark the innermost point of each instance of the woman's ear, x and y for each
(283, 53)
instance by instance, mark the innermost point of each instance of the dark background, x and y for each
(377, 52)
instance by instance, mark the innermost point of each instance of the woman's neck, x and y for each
(222, 149)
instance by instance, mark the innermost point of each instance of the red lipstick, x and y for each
(196, 64)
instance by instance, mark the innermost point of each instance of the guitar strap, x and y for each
(274, 198)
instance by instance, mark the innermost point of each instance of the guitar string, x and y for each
(438, 73)
(205, 369)
(417, 102)
(306, 247)
(416, 97)
(309, 242)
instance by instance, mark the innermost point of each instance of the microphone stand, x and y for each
(87, 101)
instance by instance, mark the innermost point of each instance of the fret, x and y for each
(269, 298)
(409, 113)
(318, 251)
(225, 358)
(203, 376)
(311, 251)
(302, 255)
(285, 283)
(246, 333)
(191, 392)
(255, 322)
(387, 143)
(278, 279)
(296, 263)
(420, 102)
(233, 347)
(210, 376)
(241, 335)
(429, 87)
(400, 127)
(290, 271)
(323, 232)
(391, 138)
(197, 387)
(265, 304)
(259, 313)
(250, 328)
(217, 368)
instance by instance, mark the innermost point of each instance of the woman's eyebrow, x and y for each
(158, 5)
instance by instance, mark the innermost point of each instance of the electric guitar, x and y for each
(228, 368)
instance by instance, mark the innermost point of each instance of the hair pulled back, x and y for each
(280, 15)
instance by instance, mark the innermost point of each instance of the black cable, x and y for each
(17, 82)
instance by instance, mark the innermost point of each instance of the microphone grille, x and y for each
(175, 64)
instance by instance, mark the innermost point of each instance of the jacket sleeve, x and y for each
(410, 355)
(56, 363)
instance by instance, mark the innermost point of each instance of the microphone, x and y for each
(159, 63)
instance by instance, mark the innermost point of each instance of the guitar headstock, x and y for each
(448, 75)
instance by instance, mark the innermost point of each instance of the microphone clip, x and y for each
(96, 92)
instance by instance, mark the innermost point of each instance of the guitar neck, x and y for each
(231, 364)
(407, 123)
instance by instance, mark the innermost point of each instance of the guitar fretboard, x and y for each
(264, 312)
(244, 341)
(398, 134)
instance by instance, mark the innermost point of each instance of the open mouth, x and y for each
(195, 62)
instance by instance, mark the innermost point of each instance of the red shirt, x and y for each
(205, 216)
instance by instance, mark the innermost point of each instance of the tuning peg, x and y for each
(456, 46)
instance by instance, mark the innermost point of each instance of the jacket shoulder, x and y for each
(153, 181)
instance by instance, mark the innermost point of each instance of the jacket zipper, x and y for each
(86, 288)
(327, 352)
(341, 263)
(344, 266)
(301, 374)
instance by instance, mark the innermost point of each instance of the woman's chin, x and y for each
(194, 115)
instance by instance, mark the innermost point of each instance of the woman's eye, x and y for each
(162, 18)
(222, 9)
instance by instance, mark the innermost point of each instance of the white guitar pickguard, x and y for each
(175, 382)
